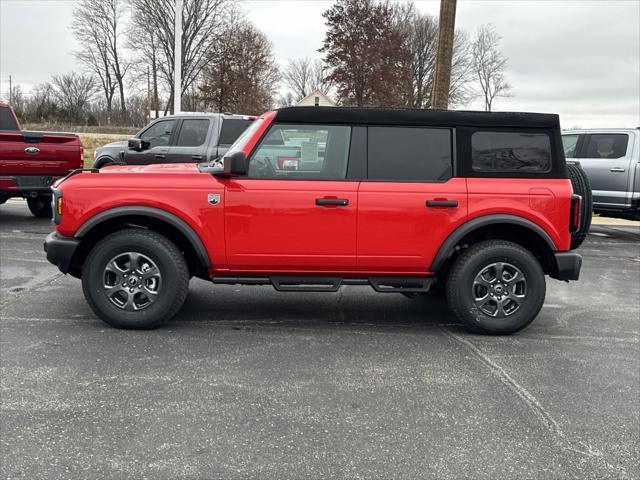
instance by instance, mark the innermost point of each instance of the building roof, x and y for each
(414, 117)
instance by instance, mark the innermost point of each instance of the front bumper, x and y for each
(60, 250)
(567, 266)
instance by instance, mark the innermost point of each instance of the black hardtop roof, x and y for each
(414, 117)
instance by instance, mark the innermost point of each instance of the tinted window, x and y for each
(569, 143)
(193, 133)
(7, 122)
(302, 151)
(232, 128)
(510, 152)
(159, 134)
(607, 145)
(409, 154)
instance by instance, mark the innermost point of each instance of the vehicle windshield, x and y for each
(241, 140)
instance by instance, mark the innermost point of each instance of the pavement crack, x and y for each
(533, 404)
(17, 296)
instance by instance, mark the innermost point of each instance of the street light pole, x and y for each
(442, 75)
(177, 54)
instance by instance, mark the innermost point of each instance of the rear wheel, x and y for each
(496, 287)
(40, 206)
(582, 187)
(135, 279)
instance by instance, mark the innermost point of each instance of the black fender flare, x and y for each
(152, 212)
(446, 249)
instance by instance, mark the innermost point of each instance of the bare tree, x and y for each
(303, 76)
(421, 36)
(201, 30)
(489, 65)
(97, 25)
(41, 104)
(242, 74)
(73, 92)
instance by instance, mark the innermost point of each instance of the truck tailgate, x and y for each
(35, 153)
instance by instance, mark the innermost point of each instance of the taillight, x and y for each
(576, 210)
(8, 183)
(81, 156)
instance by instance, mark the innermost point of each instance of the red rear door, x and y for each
(410, 203)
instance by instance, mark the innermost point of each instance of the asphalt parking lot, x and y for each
(250, 383)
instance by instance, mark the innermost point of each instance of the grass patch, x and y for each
(91, 141)
(102, 129)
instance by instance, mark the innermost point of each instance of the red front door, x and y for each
(289, 226)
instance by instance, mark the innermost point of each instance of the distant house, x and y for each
(317, 99)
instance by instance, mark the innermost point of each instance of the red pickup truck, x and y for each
(31, 161)
(479, 206)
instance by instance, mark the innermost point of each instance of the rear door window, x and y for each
(232, 128)
(510, 152)
(410, 154)
(193, 133)
(606, 145)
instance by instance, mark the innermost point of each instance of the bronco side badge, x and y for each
(213, 198)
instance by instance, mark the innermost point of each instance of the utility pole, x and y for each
(10, 92)
(177, 55)
(442, 76)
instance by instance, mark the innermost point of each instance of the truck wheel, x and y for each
(496, 287)
(40, 206)
(582, 187)
(135, 279)
(103, 162)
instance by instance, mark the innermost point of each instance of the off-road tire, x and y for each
(161, 251)
(582, 187)
(472, 261)
(40, 206)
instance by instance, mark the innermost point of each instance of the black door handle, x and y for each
(196, 157)
(442, 203)
(160, 155)
(340, 202)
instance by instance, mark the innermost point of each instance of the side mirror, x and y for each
(135, 144)
(234, 165)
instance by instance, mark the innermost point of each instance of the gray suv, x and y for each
(611, 160)
(183, 138)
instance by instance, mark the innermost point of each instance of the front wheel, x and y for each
(496, 287)
(135, 279)
(40, 206)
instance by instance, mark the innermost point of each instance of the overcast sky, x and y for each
(580, 59)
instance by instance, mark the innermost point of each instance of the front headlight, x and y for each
(95, 155)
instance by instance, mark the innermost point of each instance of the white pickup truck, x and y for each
(611, 159)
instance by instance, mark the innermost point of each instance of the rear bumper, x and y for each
(27, 185)
(567, 265)
(60, 250)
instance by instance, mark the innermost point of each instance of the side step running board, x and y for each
(332, 284)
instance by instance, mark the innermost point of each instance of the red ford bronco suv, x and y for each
(477, 205)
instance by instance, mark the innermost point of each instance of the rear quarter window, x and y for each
(510, 152)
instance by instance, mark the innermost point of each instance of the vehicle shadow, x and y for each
(356, 306)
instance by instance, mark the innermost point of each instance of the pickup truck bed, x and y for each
(31, 161)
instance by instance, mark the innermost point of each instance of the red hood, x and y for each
(155, 168)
